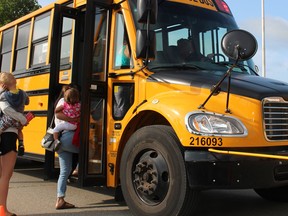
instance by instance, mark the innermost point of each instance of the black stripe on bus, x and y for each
(38, 113)
(38, 92)
(37, 70)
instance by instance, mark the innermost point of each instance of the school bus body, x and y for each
(159, 134)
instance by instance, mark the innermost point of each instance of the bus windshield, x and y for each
(191, 36)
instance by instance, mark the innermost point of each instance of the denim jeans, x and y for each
(65, 155)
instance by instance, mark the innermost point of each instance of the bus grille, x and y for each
(275, 112)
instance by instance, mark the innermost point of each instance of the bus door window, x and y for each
(123, 98)
(99, 46)
(6, 50)
(95, 136)
(40, 40)
(21, 50)
(97, 95)
(122, 58)
(66, 44)
(66, 52)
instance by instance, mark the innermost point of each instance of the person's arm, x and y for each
(8, 110)
(63, 117)
(59, 109)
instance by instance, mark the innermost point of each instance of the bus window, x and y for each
(174, 36)
(122, 49)
(6, 49)
(40, 39)
(66, 40)
(210, 46)
(99, 47)
(123, 98)
(21, 50)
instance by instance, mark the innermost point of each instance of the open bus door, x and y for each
(62, 47)
(88, 66)
(94, 92)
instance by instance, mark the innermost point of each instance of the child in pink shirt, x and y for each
(70, 108)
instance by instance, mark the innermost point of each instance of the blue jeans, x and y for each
(65, 155)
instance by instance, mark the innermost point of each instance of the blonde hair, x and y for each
(7, 78)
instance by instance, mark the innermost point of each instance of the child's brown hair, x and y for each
(71, 95)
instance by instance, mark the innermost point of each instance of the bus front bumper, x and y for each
(223, 169)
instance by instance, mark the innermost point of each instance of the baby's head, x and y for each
(8, 80)
(71, 96)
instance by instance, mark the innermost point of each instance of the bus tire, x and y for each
(153, 175)
(278, 194)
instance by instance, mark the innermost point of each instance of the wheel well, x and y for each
(142, 119)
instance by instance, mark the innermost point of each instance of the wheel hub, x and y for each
(150, 177)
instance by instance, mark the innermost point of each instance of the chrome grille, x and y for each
(275, 112)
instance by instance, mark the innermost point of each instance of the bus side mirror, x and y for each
(239, 45)
(145, 47)
(147, 11)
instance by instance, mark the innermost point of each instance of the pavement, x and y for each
(29, 194)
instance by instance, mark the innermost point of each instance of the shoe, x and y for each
(21, 150)
(65, 205)
(57, 145)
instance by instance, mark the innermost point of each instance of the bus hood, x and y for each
(245, 85)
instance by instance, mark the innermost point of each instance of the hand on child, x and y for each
(3, 86)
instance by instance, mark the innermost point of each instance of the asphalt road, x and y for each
(29, 194)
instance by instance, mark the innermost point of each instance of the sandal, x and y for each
(65, 205)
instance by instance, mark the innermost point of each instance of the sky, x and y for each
(248, 15)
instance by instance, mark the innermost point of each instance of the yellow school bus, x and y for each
(171, 102)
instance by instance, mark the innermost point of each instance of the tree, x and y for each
(13, 9)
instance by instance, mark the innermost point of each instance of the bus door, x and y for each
(65, 40)
(88, 64)
(94, 92)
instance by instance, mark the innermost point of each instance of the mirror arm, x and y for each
(148, 36)
(215, 88)
(131, 73)
(229, 82)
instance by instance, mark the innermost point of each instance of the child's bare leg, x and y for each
(56, 135)
(57, 142)
(21, 148)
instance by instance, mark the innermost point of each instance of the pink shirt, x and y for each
(71, 110)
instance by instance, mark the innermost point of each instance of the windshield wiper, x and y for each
(239, 65)
(179, 67)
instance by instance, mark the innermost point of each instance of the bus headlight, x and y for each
(214, 124)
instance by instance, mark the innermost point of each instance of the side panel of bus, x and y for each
(25, 52)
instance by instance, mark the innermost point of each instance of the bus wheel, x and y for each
(278, 194)
(153, 176)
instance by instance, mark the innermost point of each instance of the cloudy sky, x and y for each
(248, 16)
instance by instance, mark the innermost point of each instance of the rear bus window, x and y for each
(6, 49)
(21, 50)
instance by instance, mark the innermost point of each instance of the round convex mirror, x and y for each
(239, 44)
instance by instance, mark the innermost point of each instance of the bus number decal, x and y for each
(206, 141)
(207, 2)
